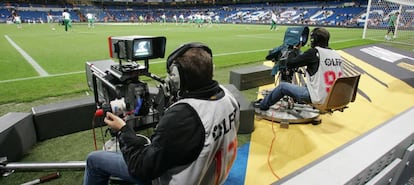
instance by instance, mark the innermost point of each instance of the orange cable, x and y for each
(270, 151)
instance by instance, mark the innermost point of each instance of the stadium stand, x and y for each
(331, 13)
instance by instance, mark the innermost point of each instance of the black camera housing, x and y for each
(118, 88)
(294, 37)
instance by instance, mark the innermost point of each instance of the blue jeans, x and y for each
(299, 93)
(100, 165)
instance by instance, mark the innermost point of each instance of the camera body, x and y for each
(118, 89)
(294, 37)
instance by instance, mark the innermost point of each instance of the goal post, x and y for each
(389, 20)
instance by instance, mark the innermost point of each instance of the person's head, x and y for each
(319, 37)
(190, 67)
(397, 13)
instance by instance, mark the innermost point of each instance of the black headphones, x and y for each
(314, 37)
(320, 37)
(175, 76)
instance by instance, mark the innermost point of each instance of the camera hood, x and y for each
(296, 35)
(293, 37)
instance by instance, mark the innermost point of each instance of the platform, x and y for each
(382, 94)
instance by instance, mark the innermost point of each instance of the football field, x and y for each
(38, 62)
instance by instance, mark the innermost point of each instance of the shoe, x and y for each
(257, 105)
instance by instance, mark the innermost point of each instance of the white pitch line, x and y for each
(37, 77)
(157, 62)
(28, 58)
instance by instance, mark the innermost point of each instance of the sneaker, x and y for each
(256, 104)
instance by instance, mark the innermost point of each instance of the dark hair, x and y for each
(197, 68)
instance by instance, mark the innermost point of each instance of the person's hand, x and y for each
(114, 121)
(298, 46)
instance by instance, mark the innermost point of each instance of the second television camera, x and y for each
(117, 87)
(294, 37)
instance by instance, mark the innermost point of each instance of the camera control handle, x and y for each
(155, 77)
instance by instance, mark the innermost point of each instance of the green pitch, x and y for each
(62, 58)
(62, 55)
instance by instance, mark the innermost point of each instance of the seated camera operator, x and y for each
(323, 66)
(195, 141)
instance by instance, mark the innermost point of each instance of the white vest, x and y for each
(330, 68)
(220, 119)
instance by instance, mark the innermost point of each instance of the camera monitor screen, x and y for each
(142, 48)
(135, 48)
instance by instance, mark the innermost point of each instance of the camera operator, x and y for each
(195, 141)
(323, 66)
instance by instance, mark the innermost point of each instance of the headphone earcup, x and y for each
(174, 79)
(314, 37)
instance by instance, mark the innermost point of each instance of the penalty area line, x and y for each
(37, 77)
(28, 58)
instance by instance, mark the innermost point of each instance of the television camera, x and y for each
(286, 110)
(117, 87)
(294, 37)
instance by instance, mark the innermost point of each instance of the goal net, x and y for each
(390, 20)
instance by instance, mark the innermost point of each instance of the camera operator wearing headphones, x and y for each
(195, 141)
(323, 67)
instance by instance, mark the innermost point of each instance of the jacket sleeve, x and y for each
(307, 58)
(177, 140)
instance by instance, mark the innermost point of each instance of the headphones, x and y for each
(320, 37)
(314, 37)
(175, 76)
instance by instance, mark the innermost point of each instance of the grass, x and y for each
(404, 39)
(63, 56)
(59, 53)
